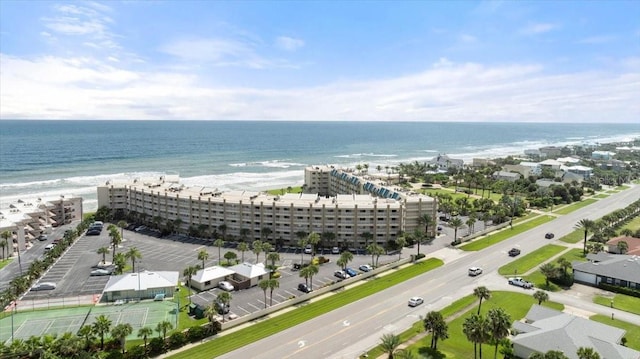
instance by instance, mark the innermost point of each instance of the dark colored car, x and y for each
(42, 237)
(549, 235)
(93, 232)
(304, 288)
(514, 252)
(351, 272)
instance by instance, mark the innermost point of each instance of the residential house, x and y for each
(481, 162)
(525, 168)
(614, 165)
(445, 162)
(141, 285)
(551, 164)
(208, 278)
(568, 160)
(632, 242)
(506, 176)
(614, 269)
(585, 172)
(534, 153)
(569, 177)
(602, 155)
(545, 329)
(551, 151)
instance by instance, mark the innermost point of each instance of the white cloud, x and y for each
(538, 28)
(466, 38)
(288, 43)
(51, 87)
(601, 39)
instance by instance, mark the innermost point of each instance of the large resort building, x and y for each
(333, 201)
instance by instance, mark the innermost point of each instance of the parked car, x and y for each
(304, 288)
(519, 282)
(365, 268)
(341, 274)
(224, 285)
(49, 247)
(44, 286)
(439, 228)
(93, 232)
(43, 237)
(549, 235)
(415, 301)
(351, 272)
(474, 271)
(514, 252)
(308, 249)
(335, 250)
(140, 228)
(222, 308)
(100, 272)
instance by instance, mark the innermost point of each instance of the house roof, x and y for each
(142, 281)
(249, 270)
(620, 266)
(211, 273)
(632, 242)
(553, 330)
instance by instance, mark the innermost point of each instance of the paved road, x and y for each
(349, 331)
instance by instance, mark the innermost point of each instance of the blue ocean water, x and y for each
(50, 158)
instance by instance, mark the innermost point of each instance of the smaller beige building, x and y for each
(246, 275)
(142, 285)
(209, 277)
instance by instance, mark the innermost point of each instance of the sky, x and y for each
(508, 61)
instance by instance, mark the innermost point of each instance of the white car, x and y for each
(365, 268)
(100, 272)
(415, 301)
(44, 286)
(474, 271)
(224, 285)
(335, 250)
(308, 249)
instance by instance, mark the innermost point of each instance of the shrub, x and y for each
(419, 256)
(156, 346)
(177, 339)
(196, 333)
(136, 353)
(114, 354)
(623, 290)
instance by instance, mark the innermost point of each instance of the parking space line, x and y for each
(248, 312)
(251, 304)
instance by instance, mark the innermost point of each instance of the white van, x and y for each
(49, 247)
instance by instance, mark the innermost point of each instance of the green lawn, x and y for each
(620, 301)
(505, 234)
(575, 206)
(633, 331)
(457, 346)
(622, 188)
(527, 262)
(601, 195)
(634, 224)
(529, 216)
(265, 328)
(184, 320)
(280, 191)
(432, 191)
(574, 237)
(5, 262)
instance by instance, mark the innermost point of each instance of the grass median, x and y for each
(620, 301)
(573, 237)
(265, 328)
(505, 234)
(531, 260)
(576, 206)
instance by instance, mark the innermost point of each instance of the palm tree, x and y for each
(482, 293)
(588, 226)
(86, 332)
(302, 243)
(162, 328)
(564, 264)
(367, 236)
(115, 242)
(122, 224)
(242, 247)
(244, 233)
(203, 255)
(426, 220)
(308, 272)
(211, 313)
(622, 247)
(471, 222)
(376, 251)
(273, 257)
(587, 353)
(455, 223)
(224, 298)
(120, 261)
(132, 254)
(475, 329)
(434, 323)
(401, 242)
(223, 228)
(3, 245)
(389, 343)
(189, 272)
(103, 251)
(177, 223)
(264, 285)
(273, 284)
(549, 271)
(498, 325)
(101, 326)
(219, 243)
(144, 333)
(345, 258)
(120, 332)
(313, 239)
(256, 247)
(265, 232)
(541, 296)
(6, 235)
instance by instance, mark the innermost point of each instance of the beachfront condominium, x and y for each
(348, 212)
(28, 219)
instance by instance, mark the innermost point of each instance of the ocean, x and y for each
(52, 158)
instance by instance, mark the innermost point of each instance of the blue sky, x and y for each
(519, 61)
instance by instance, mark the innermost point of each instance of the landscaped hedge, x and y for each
(622, 290)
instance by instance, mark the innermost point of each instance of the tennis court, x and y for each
(59, 321)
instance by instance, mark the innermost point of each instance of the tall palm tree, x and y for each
(132, 254)
(101, 326)
(256, 247)
(219, 243)
(273, 257)
(115, 242)
(499, 324)
(564, 264)
(103, 251)
(120, 261)
(367, 236)
(264, 285)
(302, 243)
(265, 232)
(224, 298)
(435, 324)
(376, 251)
(389, 343)
(122, 224)
(3, 246)
(482, 293)
(211, 313)
(475, 329)
(401, 242)
(426, 220)
(587, 226)
(345, 258)
(549, 271)
(203, 255)
(313, 239)
(145, 333)
(162, 328)
(223, 228)
(6, 235)
(455, 223)
(541, 296)
(177, 223)
(244, 233)
(308, 272)
(273, 284)
(587, 353)
(242, 247)
(189, 272)
(86, 332)
(120, 332)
